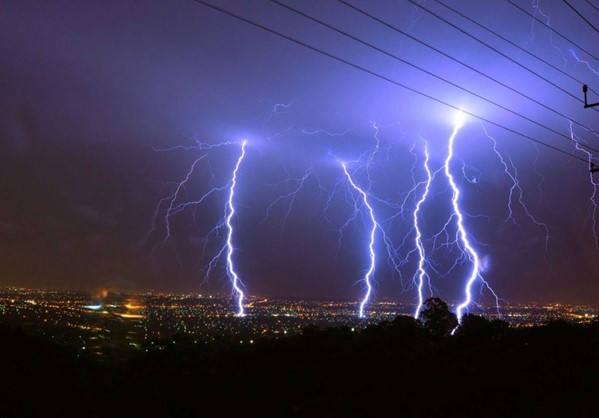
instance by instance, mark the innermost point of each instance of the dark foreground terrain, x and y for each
(401, 368)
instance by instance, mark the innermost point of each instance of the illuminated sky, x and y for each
(89, 90)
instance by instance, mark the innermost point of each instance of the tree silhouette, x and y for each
(437, 318)
(475, 326)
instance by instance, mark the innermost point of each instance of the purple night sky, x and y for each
(90, 91)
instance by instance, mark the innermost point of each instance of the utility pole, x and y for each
(593, 168)
(585, 89)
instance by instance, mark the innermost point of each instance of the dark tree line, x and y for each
(403, 367)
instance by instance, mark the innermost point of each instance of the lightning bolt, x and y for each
(515, 188)
(466, 246)
(173, 207)
(369, 159)
(583, 62)
(295, 185)
(228, 247)
(236, 282)
(420, 275)
(595, 185)
(394, 253)
(324, 132)
(171, 200)
(537, 11)
(374, 226)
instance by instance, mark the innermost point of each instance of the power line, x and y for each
(382, 77)
(592, 5)
(320, 22)
(396, 29)
(495, 50)
(551, 29)
(581, 15)
(515, 45)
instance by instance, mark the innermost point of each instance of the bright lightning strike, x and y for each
(420, 274)
(230, 212)
(370, 272)
(461, 229)
(174, 208)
